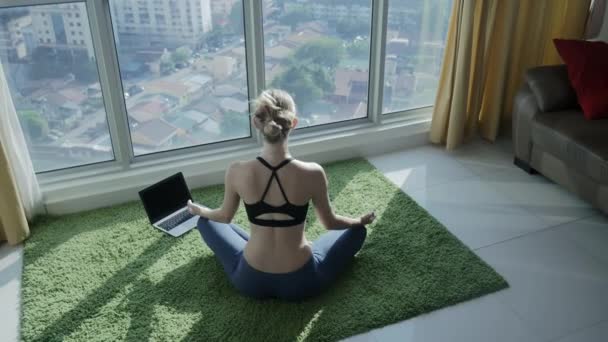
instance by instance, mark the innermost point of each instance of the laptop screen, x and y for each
(165, 197)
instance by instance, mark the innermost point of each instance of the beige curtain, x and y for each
(20, 195)
(13, 223)
(490, 45)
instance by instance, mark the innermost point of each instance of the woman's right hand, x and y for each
(194, 208)
(368, 218)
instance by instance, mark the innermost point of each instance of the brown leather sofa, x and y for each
(551, 136)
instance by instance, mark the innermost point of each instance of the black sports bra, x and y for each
(297, 212)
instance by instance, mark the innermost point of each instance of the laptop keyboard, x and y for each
(176, 220)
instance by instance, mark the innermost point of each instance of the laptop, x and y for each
(166, 205)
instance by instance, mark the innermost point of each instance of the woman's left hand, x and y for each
(368, 218)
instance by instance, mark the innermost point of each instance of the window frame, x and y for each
(107, 28)
(47, 174)
(101, 27)
(395, 114)
(371, 116)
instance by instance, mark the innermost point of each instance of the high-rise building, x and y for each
(14, 28)
(63, 27)
(220, 9)
(161, 23)
(400, 11)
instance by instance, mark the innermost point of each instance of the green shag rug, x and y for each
(107, 275)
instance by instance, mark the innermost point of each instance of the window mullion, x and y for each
(377, 57)
(254, 45)
(111, 84)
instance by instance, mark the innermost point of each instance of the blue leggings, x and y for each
(332, 252)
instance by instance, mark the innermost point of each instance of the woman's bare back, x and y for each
(277, 249)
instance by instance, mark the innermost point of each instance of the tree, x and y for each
(45, 64)
(298, 80)
(234, 123)
(359, 49)
(166, 67)
(215, 37)
(280, 4)
(295, 17)
(85, 70)
(181, 55)
(236, 19)
(308, 74)
(166, 63)
(36, 125)
(48, 63)
(322, 78)
(351, 28)
(327, 52)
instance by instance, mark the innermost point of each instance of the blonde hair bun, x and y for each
(275, 113)
(272, 129)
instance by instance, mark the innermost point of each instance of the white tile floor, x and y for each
(11, 261)
(551, 247)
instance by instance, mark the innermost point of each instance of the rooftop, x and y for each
(221, 62)
(149, 110)
(345, 78)
(278, 52)
(229, 104)
(200, 79)
(153, 133)
(75, 95)
(297, 39)
(207, 105)
(228, 90)
(194, 115)
(174, 89)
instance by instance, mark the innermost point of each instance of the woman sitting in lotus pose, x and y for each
(276, 260)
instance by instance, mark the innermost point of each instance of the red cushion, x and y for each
(587, 64)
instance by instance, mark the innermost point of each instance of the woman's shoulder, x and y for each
(304, 166)
(310, 168)
(240, 166)
(239, 163)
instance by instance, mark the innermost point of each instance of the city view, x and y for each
(184, 75)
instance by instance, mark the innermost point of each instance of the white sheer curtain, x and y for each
(597, 23)
(11, 136)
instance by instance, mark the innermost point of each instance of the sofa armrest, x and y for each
(525, 108)
(551, 86)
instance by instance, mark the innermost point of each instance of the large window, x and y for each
(319, 51)
(415, 41)
(118, 82)
(49, 62)
(183, 71)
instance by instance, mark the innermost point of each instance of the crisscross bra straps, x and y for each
(296, 212)
(274, 175)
